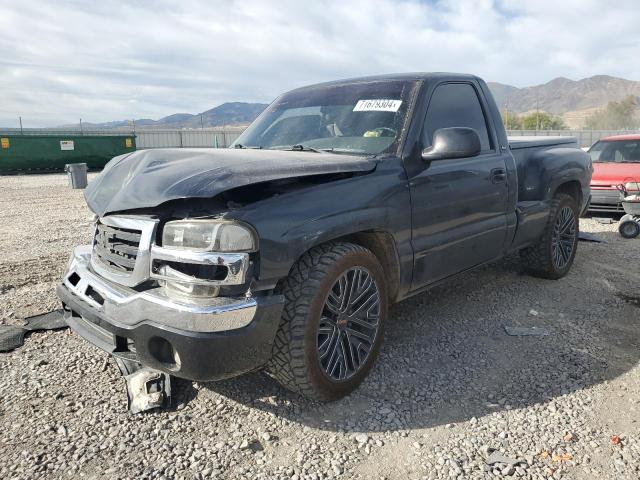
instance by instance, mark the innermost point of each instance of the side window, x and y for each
(455, 105)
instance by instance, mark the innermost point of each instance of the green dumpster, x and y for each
(47, 153)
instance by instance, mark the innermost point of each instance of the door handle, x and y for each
(498, 175)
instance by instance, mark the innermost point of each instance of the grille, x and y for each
(606, 207)
(117, 247)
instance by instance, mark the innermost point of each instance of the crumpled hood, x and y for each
(147, 178)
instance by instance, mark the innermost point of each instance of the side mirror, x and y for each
(453, 142)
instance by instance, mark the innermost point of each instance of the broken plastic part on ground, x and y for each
(590, 237)
(515, 331)
(12, 336)
(148, 389)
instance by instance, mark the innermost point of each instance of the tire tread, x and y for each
(537, 258)
(287, 364)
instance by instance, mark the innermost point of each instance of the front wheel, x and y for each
(332, 324)
(553, 254)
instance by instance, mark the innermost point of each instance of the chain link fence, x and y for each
(586, 138)
(221, 137)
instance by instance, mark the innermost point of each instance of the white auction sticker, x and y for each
(67, 145)
(377, 105)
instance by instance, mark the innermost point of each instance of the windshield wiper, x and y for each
(304, 148)
(253, 147)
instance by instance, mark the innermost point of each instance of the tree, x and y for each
(615, 116)
(542, 121)
(511, 120)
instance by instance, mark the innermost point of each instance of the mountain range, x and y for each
(574, 100)
(230, 113)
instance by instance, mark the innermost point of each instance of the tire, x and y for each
(315, 333)
(553, 254)
(629, 228)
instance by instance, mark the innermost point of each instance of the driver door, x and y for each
(458, 205)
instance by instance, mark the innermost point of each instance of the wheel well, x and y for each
(383, 246)
(571, 188)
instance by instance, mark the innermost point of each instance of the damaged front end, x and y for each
(173, 297)
(171, 281)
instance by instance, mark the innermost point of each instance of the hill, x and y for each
(562, 95)
(230, 113)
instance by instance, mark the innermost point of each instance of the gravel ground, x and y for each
(449, 388)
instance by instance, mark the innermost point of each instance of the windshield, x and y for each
(616, 151)
(358, 118)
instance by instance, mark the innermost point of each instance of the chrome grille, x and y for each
(116, 247)
(121, 248)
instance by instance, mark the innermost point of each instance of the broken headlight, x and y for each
(196, 276)
(182, 285)
(208, 235)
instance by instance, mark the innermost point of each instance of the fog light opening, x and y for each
(163, 352)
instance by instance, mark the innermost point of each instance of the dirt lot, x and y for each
(450, 385)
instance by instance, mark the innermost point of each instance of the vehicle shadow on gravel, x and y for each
(446, 357)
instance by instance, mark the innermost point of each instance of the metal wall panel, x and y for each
(207, 138)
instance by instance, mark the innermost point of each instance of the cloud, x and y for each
(109, 60)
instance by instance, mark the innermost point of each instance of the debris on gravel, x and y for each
(450, 393)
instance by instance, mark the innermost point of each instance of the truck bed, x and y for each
(538, 160)
(531, 141)
(535, 158)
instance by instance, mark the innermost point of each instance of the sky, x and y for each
(114, 60)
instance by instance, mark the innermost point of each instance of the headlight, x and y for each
(183, 286)
(208, 235)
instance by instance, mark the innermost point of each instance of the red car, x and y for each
(616, 161)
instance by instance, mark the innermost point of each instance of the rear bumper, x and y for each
(197, 342)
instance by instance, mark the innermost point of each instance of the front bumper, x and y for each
(202, 342)
(606, 200)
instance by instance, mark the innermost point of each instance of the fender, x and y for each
(290, 224)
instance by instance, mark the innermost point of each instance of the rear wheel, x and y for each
(553, 254)
(332, 324)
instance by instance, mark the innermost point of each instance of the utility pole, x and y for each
(81, 132)
(21, 131)
(537, 114)
(201, 122)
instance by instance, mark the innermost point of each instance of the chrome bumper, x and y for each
(125, 307)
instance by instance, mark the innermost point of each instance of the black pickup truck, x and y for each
(284, 251)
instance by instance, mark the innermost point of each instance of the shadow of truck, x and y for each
(446, 357)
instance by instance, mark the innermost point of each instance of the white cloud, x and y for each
(108, 60)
